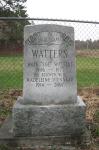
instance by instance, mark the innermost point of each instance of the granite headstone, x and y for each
(49, 106)
(49, 65)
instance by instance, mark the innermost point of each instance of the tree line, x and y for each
(88, 44)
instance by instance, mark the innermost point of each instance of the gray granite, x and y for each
(49, 106)
(48, 120)
(49, 65)
(8, 141)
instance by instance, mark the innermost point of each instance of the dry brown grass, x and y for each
(91, 98)
(88, 53)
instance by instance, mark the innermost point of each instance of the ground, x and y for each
(91, 98)
(89, 95)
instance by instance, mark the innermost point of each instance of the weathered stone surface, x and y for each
(49, 106)
(40, 142)
(48, 120)
(49, 65)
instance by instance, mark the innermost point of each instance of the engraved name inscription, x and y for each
(50, 63)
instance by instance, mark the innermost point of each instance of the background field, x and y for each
(87, 71)
(11, 71)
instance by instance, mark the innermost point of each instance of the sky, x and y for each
(68, 9)
(64, 9)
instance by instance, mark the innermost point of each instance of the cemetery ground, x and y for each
(90, 97)
(88, 89)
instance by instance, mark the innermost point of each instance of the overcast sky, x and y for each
(68, 9)
(64, 9)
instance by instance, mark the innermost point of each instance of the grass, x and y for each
(87, 71)
(11, 72)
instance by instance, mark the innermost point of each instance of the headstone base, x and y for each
(8, 141)
(48, 120)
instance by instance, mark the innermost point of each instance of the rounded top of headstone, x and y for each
(49, 26)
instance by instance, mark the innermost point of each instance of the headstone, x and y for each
(49, 65)
(49, 106)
